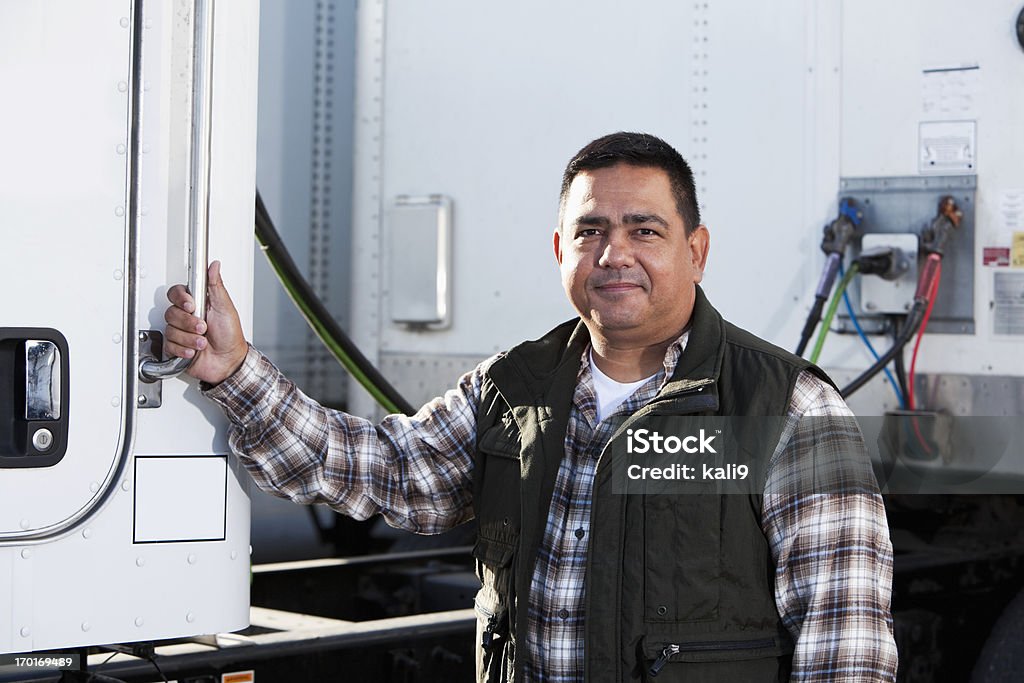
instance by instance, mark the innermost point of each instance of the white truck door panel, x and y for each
(66, 67)
(129, 521)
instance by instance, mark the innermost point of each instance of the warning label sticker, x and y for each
(995, 256)
(1017, 250)
(946, 147)
(1008, 308)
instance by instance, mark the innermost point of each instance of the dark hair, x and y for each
(637, 149)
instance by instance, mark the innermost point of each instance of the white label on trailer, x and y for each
(947, 147)
(180, 498)
(1008, 296)
(949, 92)
(1011, 211)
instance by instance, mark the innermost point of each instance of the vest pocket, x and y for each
(495, 645)
(502, 439)
(709, 658)
(682, 557)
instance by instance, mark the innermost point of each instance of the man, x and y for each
(580, 583)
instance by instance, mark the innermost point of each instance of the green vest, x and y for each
(692, 571)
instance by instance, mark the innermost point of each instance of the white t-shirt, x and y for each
(610, 394)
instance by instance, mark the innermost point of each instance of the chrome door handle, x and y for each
(199, 174)
(34, 397)
(42, 380)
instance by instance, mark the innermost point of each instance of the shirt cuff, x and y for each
(245, 395)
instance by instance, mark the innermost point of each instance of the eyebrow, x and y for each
(628, 219)
(631, 218)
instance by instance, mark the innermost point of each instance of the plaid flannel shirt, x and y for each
(417, 473)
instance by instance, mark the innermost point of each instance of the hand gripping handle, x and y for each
(199, 175)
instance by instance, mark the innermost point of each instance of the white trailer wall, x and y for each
(486, 105)
(773, 103)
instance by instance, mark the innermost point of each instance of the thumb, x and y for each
(213, 278)
(216, 293)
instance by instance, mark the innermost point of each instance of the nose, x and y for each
(616, 251)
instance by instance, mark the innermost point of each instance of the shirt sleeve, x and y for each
(825, 522)
(415, 471)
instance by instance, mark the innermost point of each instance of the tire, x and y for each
(1002, 658)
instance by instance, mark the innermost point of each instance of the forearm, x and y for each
(826, 526)
(833, 588)
(414, 471)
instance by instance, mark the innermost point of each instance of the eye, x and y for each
(587, 232)
(647, 232)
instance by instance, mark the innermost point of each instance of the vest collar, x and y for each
(701, 363)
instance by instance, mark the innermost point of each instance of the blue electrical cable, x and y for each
(867, 342)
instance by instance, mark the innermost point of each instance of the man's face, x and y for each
(627, 265)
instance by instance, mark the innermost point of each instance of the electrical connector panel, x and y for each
(900, 205)
(891, 292)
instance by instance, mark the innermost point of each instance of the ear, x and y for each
(558, 245)
(699, 243)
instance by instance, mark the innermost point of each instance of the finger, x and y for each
(174, 349)
(179, 296)
(176, 317)
(185, 338)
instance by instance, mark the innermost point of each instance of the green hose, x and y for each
(321, 332)
(831, 313)
(319, 319)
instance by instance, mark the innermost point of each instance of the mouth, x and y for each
(618, 287)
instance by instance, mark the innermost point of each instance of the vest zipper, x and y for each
(662, 660)
(703, 646)
(649, 409)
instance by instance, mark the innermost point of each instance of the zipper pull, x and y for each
(487, 637)
(661, 661)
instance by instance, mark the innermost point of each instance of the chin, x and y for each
(609, 323)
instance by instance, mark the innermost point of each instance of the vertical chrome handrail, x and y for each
(199, 178)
